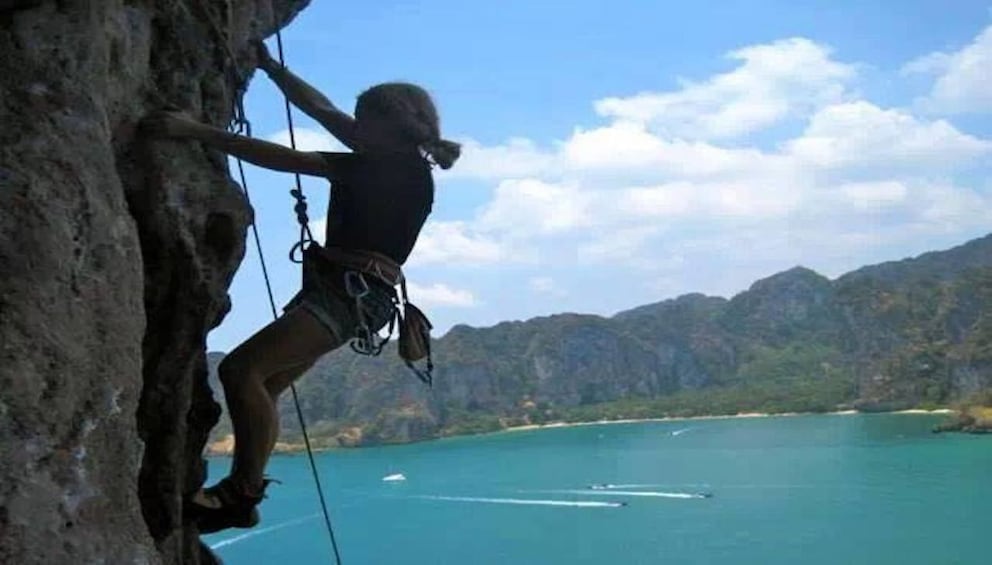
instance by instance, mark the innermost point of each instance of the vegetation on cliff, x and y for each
(906, 334)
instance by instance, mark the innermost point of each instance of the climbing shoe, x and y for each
(225, 505)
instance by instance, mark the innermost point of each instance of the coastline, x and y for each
(739, 415)
(225, 446)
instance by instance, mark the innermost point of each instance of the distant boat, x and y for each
(601, 486)
(394, 477)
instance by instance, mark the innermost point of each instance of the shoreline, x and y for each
(740, 415)
(224, 447)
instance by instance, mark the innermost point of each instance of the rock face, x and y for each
(115, 255)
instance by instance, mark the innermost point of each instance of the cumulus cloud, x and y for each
(961, 77)
(518, 157)
(617, 246)
(531, 206)
(868, 196)
(641, 187)
(627, 149)
(440, 295)
(455, 243)
(755, 198)
(772, 82)
(861, 133)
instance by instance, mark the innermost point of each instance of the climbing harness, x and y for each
(414, 327)
(240, 124)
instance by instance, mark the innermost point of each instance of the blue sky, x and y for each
(620, 153)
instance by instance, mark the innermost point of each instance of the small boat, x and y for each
(601, 486)
(394, 478)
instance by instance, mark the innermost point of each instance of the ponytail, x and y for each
(442, 152)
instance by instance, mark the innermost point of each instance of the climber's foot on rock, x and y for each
(224, 505)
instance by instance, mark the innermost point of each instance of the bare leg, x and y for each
(275, 385)
(286, 347)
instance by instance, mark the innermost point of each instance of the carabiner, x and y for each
(355, 284)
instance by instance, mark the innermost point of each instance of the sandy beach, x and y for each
(713, 417)
(225, 446)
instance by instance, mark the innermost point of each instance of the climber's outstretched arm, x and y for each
(262, 153)
(308, 99)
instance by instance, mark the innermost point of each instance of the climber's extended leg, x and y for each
(253, 375)
(284, 348)
(275, 385)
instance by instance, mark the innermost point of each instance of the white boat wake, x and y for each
(610, 486)
(394, 478)
(262, 531)
(680, 432)
(645, 493)
(528, 501)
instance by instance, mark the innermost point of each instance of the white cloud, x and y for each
(963, 78)
(617, 146)
(754, 197)
(773, 82)
(860, 133)
(675, 199)
(308, 139)
(617, 246)
(454, 243)
(874, 195)
(627, 192)
(626, 148)
(931, 64)
(440, 295)
(518, 157)
(530, 206)
(947, 205)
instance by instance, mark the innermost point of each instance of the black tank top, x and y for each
(378, 202)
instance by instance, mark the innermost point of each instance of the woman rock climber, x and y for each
(381, 194)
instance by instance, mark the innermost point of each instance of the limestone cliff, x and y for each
(115, 255)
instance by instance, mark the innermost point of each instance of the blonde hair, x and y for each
(412, 109)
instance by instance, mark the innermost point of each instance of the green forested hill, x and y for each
(916, 332)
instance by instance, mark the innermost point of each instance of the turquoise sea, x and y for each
(872, 489)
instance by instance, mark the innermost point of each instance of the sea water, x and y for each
(872, 489)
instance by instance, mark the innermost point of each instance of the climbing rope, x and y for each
(241, 125)
(304, 236)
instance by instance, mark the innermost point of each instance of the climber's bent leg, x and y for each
(277, 383)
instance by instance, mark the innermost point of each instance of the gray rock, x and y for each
(116, 256)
